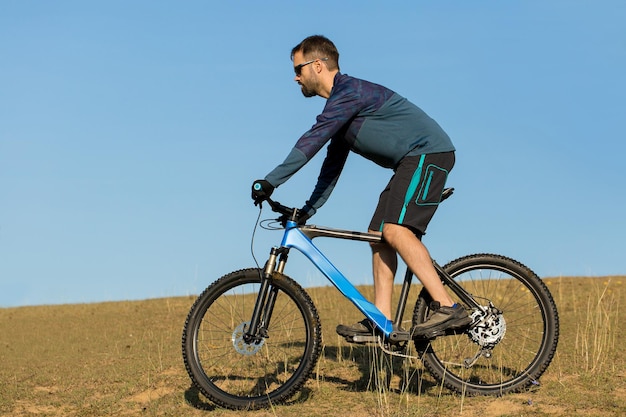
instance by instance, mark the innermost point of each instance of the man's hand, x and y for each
(261, 190)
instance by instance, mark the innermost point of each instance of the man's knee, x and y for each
(380, 245)
(392, 232)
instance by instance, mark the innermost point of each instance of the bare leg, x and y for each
(384, 265)
(417, 258)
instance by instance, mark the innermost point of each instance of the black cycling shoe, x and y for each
(441, 320)
(364, 327)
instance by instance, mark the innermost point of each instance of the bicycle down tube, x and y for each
(300, 239)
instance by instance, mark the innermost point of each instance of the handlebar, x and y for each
(290, 213)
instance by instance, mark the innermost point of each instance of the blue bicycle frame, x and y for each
(301, 239)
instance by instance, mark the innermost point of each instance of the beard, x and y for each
(308, 91)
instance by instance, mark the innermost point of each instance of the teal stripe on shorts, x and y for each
(410, 192)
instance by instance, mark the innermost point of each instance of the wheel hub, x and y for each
(239, 343)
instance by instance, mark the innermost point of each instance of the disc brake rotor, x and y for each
(489, 329)
(240, 345)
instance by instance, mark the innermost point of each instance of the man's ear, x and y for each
(319, 66)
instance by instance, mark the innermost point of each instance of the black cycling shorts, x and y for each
(414, 192)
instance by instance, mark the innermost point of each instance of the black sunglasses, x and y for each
(298, 68)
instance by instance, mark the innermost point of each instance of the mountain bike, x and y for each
(253, 337)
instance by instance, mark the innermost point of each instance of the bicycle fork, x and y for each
(266, 298)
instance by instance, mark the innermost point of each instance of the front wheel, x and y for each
(513, 336)
(238, 373)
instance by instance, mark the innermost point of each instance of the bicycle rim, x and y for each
(506, 351)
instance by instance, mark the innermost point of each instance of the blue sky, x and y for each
(130, 133)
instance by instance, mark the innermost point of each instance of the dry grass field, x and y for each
(124, 359)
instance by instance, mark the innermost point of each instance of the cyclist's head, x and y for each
(318, 46)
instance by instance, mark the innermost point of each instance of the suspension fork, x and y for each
(266, 298)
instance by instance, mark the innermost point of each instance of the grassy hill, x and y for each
(124, 359)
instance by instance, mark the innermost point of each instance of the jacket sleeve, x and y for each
(332, 166)
(339, 110)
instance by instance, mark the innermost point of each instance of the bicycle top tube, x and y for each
(313, 231)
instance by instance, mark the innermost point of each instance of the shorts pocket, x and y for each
(429, 193)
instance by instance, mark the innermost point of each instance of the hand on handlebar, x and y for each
(261, 191)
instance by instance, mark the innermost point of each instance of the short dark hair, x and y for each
(318, 46)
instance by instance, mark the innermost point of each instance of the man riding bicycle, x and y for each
(389, 130)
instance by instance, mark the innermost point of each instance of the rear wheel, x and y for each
(513, 336)
(237, 373)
